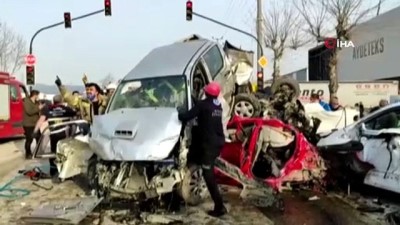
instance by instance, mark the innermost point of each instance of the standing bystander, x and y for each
(32, 108)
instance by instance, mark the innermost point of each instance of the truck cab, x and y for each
(12, 94)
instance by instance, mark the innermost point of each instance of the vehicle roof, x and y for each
(7, 78)
(167, 60)
(379, 111)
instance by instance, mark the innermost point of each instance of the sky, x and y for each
(101, 45)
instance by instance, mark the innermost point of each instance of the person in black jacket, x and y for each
(209, 140)
(54, 114)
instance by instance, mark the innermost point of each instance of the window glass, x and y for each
(385, 121)
(214, 61)
(169, 91)
(13, 93)
(23, 91)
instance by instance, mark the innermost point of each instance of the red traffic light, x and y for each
(259, 75)
(107, 7)
(189, 10)
(30, 69)
(189, 4)
(67, 20)
(30, 75)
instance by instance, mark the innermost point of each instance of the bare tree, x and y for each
(338, 15)
(12, 49)
(283, 30)
(107, 80)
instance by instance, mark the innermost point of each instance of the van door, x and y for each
(220, 71)
(4, 102)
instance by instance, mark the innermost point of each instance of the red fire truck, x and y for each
(12, 93)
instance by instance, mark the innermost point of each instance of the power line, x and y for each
(228, 14)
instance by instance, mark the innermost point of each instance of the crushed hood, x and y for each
(242, 62)
(143, 134)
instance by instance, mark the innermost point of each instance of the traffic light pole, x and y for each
(58, 24)
(233, 28)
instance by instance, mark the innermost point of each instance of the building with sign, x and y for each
(373, 57)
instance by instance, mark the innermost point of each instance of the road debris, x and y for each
(393, 218)
(47, 188)
(313, 198)
(162, 219)
(70, 211)
(256, 193)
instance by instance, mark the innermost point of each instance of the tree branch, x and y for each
(12, 49)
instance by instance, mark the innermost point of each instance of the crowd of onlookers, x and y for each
(34, 108)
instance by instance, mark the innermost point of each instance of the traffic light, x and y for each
(260, 81)
(189, 10)
(107, 7)
(30, 75)
(67, 20)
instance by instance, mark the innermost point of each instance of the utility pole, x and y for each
(260, 32)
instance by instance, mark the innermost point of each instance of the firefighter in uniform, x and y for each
(210, 139)
(94, 104)
(53, 114)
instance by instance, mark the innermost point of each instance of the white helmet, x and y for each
(111, 86)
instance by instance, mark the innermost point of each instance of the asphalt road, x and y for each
(299, 210)
(11, 156)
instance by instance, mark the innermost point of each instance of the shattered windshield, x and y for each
(168, 91)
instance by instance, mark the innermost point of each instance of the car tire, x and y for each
(193, 189)
(292, 83)
(246, 105)
(91, 173)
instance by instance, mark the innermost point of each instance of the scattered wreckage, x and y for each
(126, 155)
(272, 151)
(369, 148)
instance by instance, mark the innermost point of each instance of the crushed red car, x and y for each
(270, 151)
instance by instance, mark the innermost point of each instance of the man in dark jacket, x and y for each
(210, 139)
(30, 117)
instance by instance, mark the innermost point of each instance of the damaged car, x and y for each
(368, 149)
(138, 148)
(271, 151)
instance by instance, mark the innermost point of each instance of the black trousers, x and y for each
(29, 139)
(212, 186)
(54, 138)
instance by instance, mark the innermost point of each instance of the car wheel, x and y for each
(193, 188)
(91, 173)
(246, 105)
